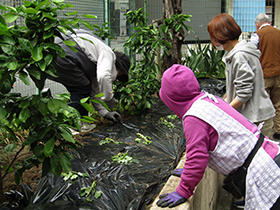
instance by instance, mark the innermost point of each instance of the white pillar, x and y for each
(277, 14)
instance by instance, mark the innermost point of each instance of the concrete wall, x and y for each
(206, 196)
(207, 192)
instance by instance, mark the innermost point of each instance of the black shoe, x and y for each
(276, 136)
(239, 204)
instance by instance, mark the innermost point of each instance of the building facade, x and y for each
(202, 11)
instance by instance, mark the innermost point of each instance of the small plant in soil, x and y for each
(142, 137)
(172, 117)
(85, 191)
(124, 158)
(108, 140)
(163, 121)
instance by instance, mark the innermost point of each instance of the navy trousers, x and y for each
(76, 94)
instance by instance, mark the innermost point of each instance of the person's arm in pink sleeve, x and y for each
(198, 134)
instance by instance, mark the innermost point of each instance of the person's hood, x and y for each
(243, 46)
(178, 87)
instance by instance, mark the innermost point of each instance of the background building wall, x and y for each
(277, 14)
(202, 11)
(245, 12)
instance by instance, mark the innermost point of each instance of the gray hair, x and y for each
(262, 18)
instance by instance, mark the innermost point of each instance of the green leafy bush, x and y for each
(137, 95)
(146, 43)
(205, 61)
(26, 53)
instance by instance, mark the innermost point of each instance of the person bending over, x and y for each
(90, 71)
(218, 136)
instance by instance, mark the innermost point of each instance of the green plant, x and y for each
(47, 121)
(142, 137)
(124, 159)
(205, 61)
(102, 31)
(85, 191)
(165, 122)
(172, 117)
(137, 17)
(176, 23)
(73, 176)
(27, 53)
(138, 93)
(108, 140)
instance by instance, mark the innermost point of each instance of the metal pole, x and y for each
(145, 11)
(106, 17)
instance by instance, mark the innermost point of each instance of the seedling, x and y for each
(108, 140)
(145, 138)
(138, 140)
(73, 175)
(124, 159)
(85, 191)
(172, 117)
(165, 122)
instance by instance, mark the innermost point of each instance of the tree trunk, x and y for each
(170, 8)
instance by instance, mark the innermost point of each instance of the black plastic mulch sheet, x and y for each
(214, 86)
(131, 186)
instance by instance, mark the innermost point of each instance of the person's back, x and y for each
(267, 39)
(217, 135)
(269, 45)
(90, 70)
(244, 76)
(245, 82)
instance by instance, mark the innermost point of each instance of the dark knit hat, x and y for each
(122, 63)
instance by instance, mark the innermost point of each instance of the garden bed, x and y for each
(123, 186)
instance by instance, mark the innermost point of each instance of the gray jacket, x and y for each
(245, 82)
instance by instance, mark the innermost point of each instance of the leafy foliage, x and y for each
(102, 31)
(138, 94)
(27, 53)
(165, 122)
(28, 50)
(142, 137)
(47, 121)
(85, 191)
(205, 61)
(172, 117)
(124, 159)
(108, 140)
(73, 176)
(177, 24)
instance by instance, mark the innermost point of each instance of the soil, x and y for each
(32, 176)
